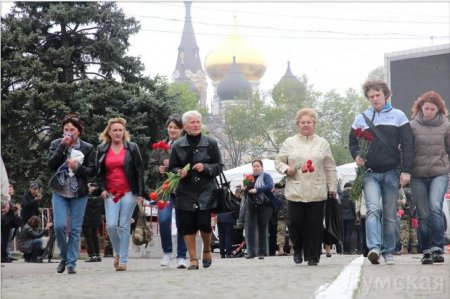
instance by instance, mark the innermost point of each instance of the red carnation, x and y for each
(161, 204)
(168, 203)
(153, 195)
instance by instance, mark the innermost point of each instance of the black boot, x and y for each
(61, 267)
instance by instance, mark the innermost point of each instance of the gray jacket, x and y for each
(431, 146)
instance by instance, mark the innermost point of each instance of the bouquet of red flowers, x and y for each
(161, 145)
(308, 166)
(365, 138)
(248, 179)
(168, 187)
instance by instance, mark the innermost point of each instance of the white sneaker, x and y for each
(389, 259)
(165, 261)
(181, 263)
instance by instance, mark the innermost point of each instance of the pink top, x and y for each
(116, 181)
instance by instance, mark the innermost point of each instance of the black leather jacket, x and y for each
(133, 167)
(197, 189)
(58, 154)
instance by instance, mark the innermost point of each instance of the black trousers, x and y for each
(5, 238)
(273, 231)
(349, 228)
(91, 236)
(305, 222)
(225, 238)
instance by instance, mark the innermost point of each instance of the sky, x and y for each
(334, 44)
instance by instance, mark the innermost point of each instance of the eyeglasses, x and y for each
(175, 118)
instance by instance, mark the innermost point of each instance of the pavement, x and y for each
(340, 276)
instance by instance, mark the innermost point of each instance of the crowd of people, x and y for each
(404, 182)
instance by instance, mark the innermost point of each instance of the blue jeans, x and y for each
(118, 221)
(429, 196)
(74, 208)
(165, 229)
(380, 193)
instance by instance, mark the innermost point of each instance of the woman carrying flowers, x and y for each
(310, 168)
(258, 191)
(196, 192)
(158, 166)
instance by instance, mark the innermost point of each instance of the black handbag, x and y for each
(226, 200)
(333, 218)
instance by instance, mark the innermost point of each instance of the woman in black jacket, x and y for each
(72, 162)
(196, 193)
(30, 240)
(120, 179)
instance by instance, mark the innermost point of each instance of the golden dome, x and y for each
(250, 61)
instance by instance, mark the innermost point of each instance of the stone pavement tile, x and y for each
(408, 278)
(273, 277)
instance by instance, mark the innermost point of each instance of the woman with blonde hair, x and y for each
(120, 178)
(310, 170)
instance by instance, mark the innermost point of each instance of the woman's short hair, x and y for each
(259, 161)
(306, 111)
(74, 120)
(376, 84)
(104, 136)
(34, 221)
(429, 97)
(188, 114)
(176, 119)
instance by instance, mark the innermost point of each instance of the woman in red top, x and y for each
(121, 179)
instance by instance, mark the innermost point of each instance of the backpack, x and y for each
(142, 234)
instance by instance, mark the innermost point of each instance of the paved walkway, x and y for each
(273, 277)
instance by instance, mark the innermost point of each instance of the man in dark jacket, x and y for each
(388, 164)
(31, 202)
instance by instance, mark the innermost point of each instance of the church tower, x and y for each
(189, 68)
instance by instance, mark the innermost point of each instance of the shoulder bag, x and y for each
(142, 234)
(226, 201)
(379, 135)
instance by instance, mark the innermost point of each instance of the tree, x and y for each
(60, 57)
(378, 73)
(182, 99)
(289, 96)
(336, 115)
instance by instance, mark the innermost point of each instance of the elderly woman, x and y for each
(121, 181)
(429, 177)
(310, 168)
(158, 166)
(196, 193)
(72, 161)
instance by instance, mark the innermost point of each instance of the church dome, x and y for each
(251, 62)
(234, 84)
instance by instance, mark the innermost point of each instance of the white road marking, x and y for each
(344, 286)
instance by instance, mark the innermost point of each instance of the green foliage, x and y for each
(60, 57)
(253, 127)
(182, 99)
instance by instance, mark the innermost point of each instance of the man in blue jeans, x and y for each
(388, 164)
